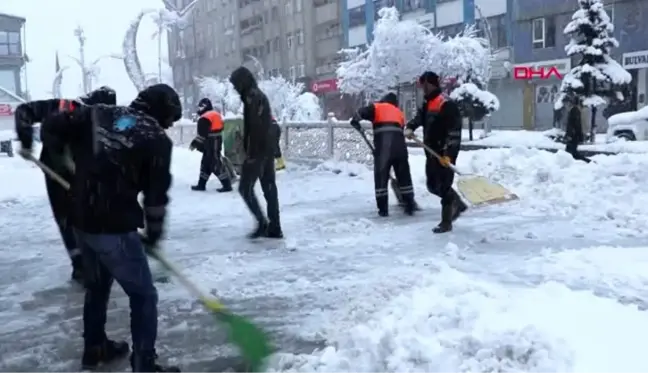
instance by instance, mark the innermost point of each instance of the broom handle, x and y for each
(51, 173)
(432, 152)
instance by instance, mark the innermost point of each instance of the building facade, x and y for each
(296, 39)
(12, 57)
(539, 41)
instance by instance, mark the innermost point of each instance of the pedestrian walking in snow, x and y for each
(259, 142)
(574, 132)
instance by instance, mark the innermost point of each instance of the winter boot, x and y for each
(280, 164)
(146, 363)
(459, 208)
(201, 186)
(105, 353)
(446, 219)
(274, 231)
(260, 231)
(227, 187)
(383, 213)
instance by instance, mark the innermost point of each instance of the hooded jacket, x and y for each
(259, 135)
(161, 102)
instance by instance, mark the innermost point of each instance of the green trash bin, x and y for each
(233, 142)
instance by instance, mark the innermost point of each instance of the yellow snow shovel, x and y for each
(477, 190)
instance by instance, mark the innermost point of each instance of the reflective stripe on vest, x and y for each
(66, 105)
(435, 105)
(215, 119)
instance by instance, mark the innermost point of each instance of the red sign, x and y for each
(530, 72)
(5, 110)
(324, 86)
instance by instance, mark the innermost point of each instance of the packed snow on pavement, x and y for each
(553, 282)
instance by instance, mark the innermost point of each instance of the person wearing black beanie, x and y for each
(441, 122)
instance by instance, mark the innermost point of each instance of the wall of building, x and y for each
(12, 57)
(538, 40)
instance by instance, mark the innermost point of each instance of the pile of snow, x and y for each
(629, 117)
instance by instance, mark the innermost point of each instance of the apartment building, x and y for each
(12, 58)
(298, 39)
(539, 41)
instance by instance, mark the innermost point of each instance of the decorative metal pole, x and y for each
(78, 32)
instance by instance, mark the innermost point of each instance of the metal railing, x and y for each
(317, 140)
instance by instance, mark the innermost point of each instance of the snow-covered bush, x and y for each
(597, 77)
(474, 103)
(398, 54)
(286, 100)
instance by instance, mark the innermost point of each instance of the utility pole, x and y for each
(78, 32)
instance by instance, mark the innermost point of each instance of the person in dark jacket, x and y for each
(209, 141)
(259, 143)
(390, 151)
(574, 132)
(57, 159)
(280, 163)
(441, 122)
(126, 151)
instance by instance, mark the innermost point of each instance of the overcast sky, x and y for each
(50, 27)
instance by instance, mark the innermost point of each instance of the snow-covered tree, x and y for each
(466, 58)
(397, 55)
(597, 77)
(287, 101)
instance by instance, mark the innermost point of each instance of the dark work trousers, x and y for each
(61, 202)
(262, 169)
(439, 180)
(573, 150)
(119, 257)
(277, 153)
(391, 151)
(211, 161)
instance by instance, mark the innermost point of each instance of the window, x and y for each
(232, 19)
(10, 44)
(500, 37)
(320, 3)
(301, 71)
(544, 32)
(609, 9)
(289, 41)
(357, 16)
(538, 33)
(328, 30)
(379, 4)
(298, 6)
(275, 44)
(412, 5)
(233, 44)
(292, 72)
(267, 47)
(275, 13)
(300, 37)
(289, 7)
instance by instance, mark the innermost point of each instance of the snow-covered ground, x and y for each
(537, 139)
(553, 282)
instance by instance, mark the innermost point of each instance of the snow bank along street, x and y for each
(553, 282)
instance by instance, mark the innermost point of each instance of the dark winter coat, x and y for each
(259, 135)
(124, 152)
(441, 128)
(574, 131)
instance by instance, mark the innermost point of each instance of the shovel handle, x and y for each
(435, 154)
(51, 173)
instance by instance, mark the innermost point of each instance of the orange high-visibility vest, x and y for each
(215, 119)
(435, 105)
(385, 113)
(66, 105)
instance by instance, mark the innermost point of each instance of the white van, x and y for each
(629, 126)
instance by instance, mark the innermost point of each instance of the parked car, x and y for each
(629, 126)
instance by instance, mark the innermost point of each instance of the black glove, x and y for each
(150, 243)
(356, 124)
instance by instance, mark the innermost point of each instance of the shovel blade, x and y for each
(480, 191)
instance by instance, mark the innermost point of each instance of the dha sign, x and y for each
(530, 73)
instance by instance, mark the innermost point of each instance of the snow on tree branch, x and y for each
(474, 102)
(286, 100)
(462, 56)
(397, 55)
(597, 78)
